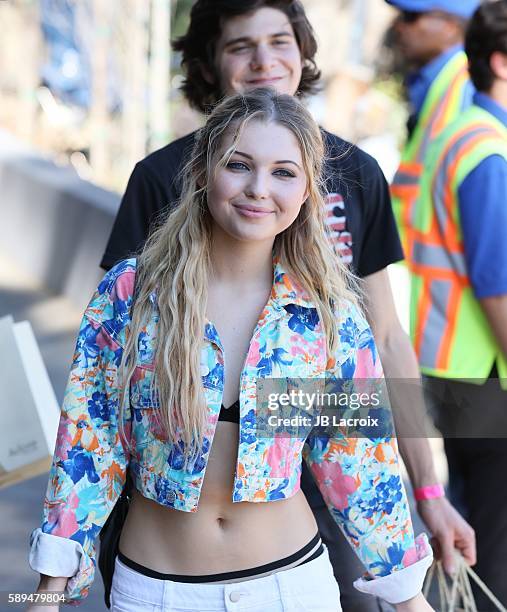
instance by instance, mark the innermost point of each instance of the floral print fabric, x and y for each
(358, 477)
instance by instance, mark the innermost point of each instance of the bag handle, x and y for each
(455, 594)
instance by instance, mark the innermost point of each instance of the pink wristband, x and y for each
(429, 492)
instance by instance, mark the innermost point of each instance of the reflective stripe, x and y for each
(436, 256)
(445, 95)
(436, 329)
(444, 312)
(436, 323)
(404, 178)
(454, 92)
(442, 105)
(443, 179)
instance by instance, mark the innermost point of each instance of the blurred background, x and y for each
(87, 89)
(94, 84)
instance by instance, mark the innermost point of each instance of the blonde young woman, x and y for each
(238, 285)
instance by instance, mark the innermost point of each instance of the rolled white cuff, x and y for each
(403, 584)
(54, 555)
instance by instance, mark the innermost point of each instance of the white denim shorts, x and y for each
(310, 587)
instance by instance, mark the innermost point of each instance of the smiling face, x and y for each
(259, 192)
(258, 49)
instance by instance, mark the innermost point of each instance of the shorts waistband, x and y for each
(307, 553)
(132, 588)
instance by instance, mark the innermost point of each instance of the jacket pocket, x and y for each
(147, 432)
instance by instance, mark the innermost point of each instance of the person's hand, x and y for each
(449, 530)
(416, 604)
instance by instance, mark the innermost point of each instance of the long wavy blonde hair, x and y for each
(175, 264)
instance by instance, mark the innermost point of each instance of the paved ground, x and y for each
(55, 322)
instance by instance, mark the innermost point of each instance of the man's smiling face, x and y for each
(258, 49)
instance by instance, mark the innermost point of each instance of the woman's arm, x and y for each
(416, 604)
(401, 368)
(89, 463)
(48, 584)
(357, 470)
(51, 583)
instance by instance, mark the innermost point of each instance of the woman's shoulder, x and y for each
(111, 302)
(120, 279)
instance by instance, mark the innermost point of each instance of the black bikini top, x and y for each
(230, 414)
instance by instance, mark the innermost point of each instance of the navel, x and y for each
(221, 522)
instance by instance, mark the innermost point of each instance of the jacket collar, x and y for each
(285, 291)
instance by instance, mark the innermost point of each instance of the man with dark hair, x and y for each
(200, 47)
(236, 46)
(217, 63)
(458, 265)
(429, 36)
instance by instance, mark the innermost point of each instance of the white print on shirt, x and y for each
(336, 222)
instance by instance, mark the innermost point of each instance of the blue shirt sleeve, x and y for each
(483, 212)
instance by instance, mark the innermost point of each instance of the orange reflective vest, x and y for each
(445, 100)
(451, 335)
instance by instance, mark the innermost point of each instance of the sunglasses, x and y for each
(410, 16)
(413, 16)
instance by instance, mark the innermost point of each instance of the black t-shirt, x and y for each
(358, 205)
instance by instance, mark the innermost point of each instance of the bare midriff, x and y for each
(221, 536)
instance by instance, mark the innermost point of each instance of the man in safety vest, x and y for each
(429, 36)
(458, 267)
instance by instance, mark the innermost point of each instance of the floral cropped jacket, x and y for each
(359, 477)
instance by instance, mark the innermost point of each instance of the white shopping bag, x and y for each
(29, 411)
